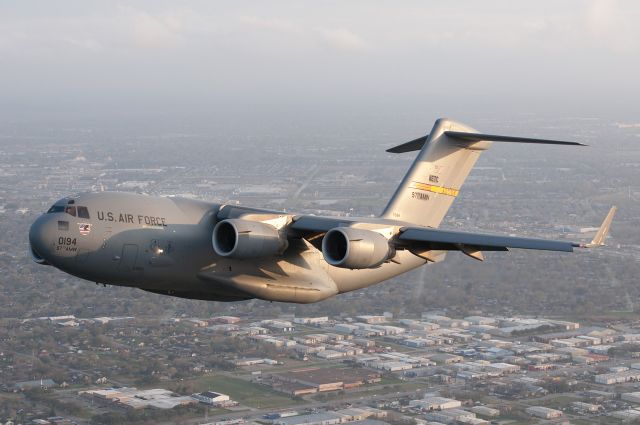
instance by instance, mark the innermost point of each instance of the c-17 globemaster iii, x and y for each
(194, 249)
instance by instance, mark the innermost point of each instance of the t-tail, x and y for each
(435, 178)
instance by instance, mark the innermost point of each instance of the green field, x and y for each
(553, 401)
(390, 380)
(244, 392)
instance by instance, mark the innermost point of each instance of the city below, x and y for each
(289, 370)
(319, 212)
(521, 338)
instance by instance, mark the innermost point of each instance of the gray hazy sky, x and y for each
(569, 57)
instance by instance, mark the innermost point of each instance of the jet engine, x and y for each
(355, 248)
(237, 238)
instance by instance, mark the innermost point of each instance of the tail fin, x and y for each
(446, 157)
(434, 180)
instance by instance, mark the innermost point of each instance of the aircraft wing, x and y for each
(313, 224)
(424, 239)
(421, 240)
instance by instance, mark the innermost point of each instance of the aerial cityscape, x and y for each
(180, 116)
(520, 338)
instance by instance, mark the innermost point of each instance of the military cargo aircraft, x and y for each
(201, 250)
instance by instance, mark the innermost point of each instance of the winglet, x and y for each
(601, 235)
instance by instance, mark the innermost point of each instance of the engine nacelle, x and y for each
(237, 238)
(355, 248)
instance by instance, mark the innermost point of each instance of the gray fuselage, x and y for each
(163, 245)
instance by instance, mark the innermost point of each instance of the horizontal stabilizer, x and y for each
(417, 144)
(477, 137)
(414, 145)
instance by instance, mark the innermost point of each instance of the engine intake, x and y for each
(355, 248)
(236, 238)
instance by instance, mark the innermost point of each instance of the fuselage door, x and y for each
(129, 257)
(106, 236)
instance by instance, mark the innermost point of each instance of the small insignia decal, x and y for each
(85, 228)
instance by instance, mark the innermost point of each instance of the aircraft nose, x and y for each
(41, 235)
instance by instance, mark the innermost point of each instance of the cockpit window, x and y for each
(83, 212)
(56, 209)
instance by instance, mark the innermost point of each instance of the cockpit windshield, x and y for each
(82, 212)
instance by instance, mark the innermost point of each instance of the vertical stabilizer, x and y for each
(436, 176)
